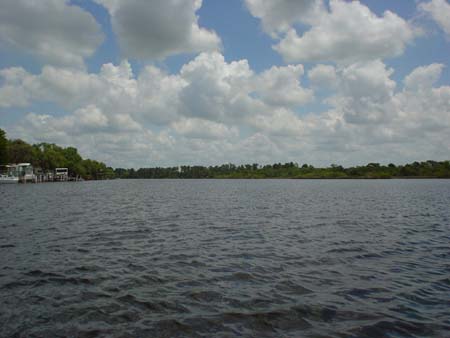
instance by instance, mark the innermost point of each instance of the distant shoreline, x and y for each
(285, 178)
(292, 170)
(47, 157)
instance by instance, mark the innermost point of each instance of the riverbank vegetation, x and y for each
(50, 156)
(428, 169)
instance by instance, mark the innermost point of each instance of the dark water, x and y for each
(212, 258)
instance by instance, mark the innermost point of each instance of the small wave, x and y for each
(42, 274)
(293, 288)
(268, 321)
(153, 306)
(398, 328)
(343, 250)
(241, 276)
(205, 296)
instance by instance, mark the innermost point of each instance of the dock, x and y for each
(25, 173)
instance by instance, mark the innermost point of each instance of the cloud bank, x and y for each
(215, 111)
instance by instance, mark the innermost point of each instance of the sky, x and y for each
(138, 83)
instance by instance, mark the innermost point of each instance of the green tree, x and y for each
(3, 147)
(73, 160)
(52, 156)
(19, 151)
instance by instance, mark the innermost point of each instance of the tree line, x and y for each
(427, 169)
(47, 157)
(50, 156)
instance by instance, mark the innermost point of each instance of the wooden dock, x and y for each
(48, 179)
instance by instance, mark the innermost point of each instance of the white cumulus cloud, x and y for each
(349, 32)
(439, 10)
(203, 129)
(278, 16)
(53, 30)
(159, 28)
(346, 32)
(214, 111)
(280, 86)
(323, 76)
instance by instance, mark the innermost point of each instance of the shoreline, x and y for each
(283, 178)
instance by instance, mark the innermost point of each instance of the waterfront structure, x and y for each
(15, 173)
(8, 174)
(25, 172)
(61, 174)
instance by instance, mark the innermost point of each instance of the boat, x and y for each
(8, 179)
(25, 172)
(61, 174)
(15, 173)
(9, 174)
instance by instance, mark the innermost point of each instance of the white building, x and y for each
(61, 174)
(22, 172)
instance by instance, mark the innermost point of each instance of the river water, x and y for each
(225, 258)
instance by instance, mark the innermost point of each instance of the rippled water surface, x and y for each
(225, 258)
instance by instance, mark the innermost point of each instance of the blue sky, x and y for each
(142, 83)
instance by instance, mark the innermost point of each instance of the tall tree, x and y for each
(20, 151)
(3, 147)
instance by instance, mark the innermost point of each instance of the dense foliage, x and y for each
(50, 156)
(293, 170)
(3, 147)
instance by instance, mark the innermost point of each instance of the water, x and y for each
(225, 258)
